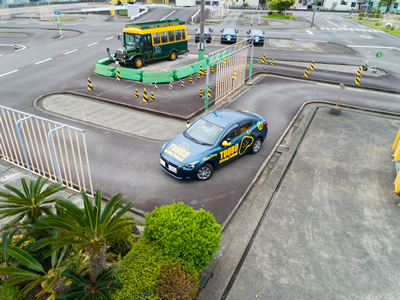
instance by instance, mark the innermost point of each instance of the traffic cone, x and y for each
(89, 85)
(152, 97)
(201, 70)
(15, 46)
(205, 72)
(312, 66)
(266, 66)
(306, 73)
(136, 93)
(359, 71)
(272, 62)
(198, 76)
(145, 98)
(190, 79)
(118, 75)
(170, 87)
(209, 91)
(212, 69)
(155, 87)
(263, 58)
(201, 93)
(357, 81)
(182, 83)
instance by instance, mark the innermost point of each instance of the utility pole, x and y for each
(313, 15)
(201, 40)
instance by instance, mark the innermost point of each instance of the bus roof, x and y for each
(156, 24)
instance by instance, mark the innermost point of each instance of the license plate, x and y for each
(162, 162)
(257, 40)
(228, 38)
(172, 169)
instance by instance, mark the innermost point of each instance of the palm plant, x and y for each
(87, 229)
(99, 291)
(29, 203)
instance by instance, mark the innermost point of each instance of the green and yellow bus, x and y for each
(146, 42)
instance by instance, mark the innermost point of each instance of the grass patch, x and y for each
(278, 16)
(68, 18)
(395, 32)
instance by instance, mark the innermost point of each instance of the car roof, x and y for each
(206, 29)
(224, 117)
(229, 30)
(256, 31)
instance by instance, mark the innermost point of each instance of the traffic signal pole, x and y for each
(201, 38)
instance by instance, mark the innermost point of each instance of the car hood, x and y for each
(181, 150)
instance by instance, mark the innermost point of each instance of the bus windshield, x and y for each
(133, 40)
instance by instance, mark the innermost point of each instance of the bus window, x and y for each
(178, 34)
(183, 34)
(171, 36)
(132, 39)
(164, 38)
(156, 38)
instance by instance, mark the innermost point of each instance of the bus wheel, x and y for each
(172, 56)
(138, 63)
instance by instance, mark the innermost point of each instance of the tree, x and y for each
(30, 203)
(88, 229)
(334, 4)
(245, 4)
(387, 3)
(280, 5)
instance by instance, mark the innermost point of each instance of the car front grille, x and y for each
(119, 54)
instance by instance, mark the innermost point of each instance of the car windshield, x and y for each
(132, 40)
(206, 30)
(229, 30)
(203, 132)
(256, 32)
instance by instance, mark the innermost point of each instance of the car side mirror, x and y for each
(236, 30)
(248, 32)
(226, 143)
(263, 32)
(211, 30)
(222, 30)
(119, 37)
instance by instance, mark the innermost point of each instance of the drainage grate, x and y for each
(204, 280)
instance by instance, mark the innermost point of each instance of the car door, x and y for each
(147, 47)
(227, 153)
(246, 139)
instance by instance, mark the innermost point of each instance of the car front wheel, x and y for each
(205, 172)
(256, 146)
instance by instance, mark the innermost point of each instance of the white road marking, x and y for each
(309, 32)
(1, 54)
(71, 51)
(109, 38)
(333, 28)
(92, 44)
(39, 62)
(94, 25)
(167, 15)
(8, 73)
(322, 28)
(379, 47)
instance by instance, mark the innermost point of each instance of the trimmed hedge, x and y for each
(183, 72)
(104, 70)
(9, 293)
(131, 74)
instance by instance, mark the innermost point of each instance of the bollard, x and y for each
(170, 87)
(201, 93)
(118, 75)
(229, 60)
(234, 76)
(205, 72)
(190, 79)
(145, 98)
(306, 73)
(357, 81)
(155, 85)
(312, 66)
(229, 75)
(254, 66)
(259, 60)
(266, 66)
(272, 62)
(212, 69)
(187, 123)
(15, 46)
(198, 76)
(246, 67)
(152, 97)
(89, 85)
(240, 70)
(136, 93)
(223, 79)
(201, 70)
(182, 83)
(209, 91)
(359, 71)
(216, 84)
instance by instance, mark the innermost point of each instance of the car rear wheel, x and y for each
(205, 172)
(256, 146)
(172, 55)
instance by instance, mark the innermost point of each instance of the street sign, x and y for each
(379, 54)
(342, 86)
(59, 25)
(57, 13)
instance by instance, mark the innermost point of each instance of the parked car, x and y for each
(229, 35)
(257, 36)
(211, 141)
(207, 31)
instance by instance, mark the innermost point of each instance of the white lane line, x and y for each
(1, 54)
(92, 44)
(94, 25)
(379, 47)
(333, 28)
(334, 24)
(309, 32)
(167, 15)
(322, 28)
(71, 51)
(8, 73)
(109, 38)
(39, 62)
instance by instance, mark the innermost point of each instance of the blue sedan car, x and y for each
(211, 141)
(229, 35)
(257, 36)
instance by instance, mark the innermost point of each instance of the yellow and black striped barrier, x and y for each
(359, 71)
(145, 98)
(89, 85)
(312, 66)
(198, 76)
(201, 70)
(152, 97)
(216, 84)
(118, 75)
(209, 91)
(234, 76)
(272, 62)
(245, 67)
(136, 93)
(212, 69)
(190, 79)
(201, 93)
(223, 79)
(306, 73)
(396, 157)
(205, 72)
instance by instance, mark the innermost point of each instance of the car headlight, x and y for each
(192, 164)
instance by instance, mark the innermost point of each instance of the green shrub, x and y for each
(361, 14)
(182, 232)
(376, 23)
(123, 243)
(392, 28)
(360, 18)
(143, 269)
(245, 4)
(9, 293)
(270, 13)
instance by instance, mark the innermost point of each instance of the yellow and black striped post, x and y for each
(224, 62)
(182, 83)
(234, 76)
(201, 70)
(245, 67)
(212, 69)
(263, 59)
(216, 84)
(357, 81)
(230, 75)
(198, 76)
(209, 91)
(312, 66)
(201, 93)
(359, 71)
(205, 72)
(240, 70)
(306, 73)
(152, 97)
(223, 79)
(118, 75)
(145, 98)
(229, 60)
(259, 60)
(89, 85)
(136, 93)
(190, 79)
(272, 62)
